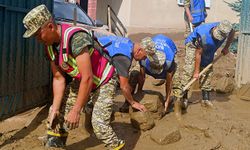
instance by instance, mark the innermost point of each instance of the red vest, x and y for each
(101, 68)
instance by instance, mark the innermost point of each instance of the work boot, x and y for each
(57, 140)
(117, 146)
(177, 108)
(184, 102)
(125, 107)
(206, 102)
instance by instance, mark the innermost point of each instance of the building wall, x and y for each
(120, 7)
(159, 13)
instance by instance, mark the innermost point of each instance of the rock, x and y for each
(153, 101)
(244, 92)
(166, 133)
(141, 120)
(225, 84)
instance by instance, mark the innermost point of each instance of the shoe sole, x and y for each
(119, 147)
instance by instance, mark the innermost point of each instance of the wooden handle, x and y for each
(191, 27)
(202, 72)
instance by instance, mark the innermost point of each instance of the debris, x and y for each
(225, 84)
(142, 120)
(244, 92)
(153, 101)
(166, 133)
(217, 146)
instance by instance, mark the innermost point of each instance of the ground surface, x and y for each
(225, 127)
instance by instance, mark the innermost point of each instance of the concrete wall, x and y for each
(120, 7)
(159, 14)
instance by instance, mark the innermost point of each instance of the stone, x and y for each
(244, 92)
(153, 101)
(225, 84)
(141, 120)
(166, 133)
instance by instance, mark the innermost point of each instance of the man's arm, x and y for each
(198, 53)
(58, 91)
(126, 91)
(228, 43)
(84, 66)
(141, 79)
(168, 87)
(187, 10)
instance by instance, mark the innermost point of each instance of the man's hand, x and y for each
(196, 75)
(139, 106)
(190, 18)
(72, 119)
(225, 51)
(166, 106)
(53, 118)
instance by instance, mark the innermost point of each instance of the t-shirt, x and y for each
(122, 64)
(79, 41)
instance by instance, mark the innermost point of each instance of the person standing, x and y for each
(194, 14)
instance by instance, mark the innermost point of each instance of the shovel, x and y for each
(177, 105)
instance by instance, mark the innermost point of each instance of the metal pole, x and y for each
(75, 17)
(109, 19)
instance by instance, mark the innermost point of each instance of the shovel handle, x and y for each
(191, 27)
(202, 72)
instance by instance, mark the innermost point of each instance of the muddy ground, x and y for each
(227, 127)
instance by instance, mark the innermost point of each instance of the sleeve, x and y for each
(187, 3)
(197, 42)
(79, 41)
(172, 67)
(122, 64)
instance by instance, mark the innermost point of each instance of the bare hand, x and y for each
(166, 106)
(72, 119)
(196, 75)
(190, 18)
(139, 106)
(225, 51)
(53, 118)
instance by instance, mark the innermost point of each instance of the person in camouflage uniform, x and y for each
(194, 14)
(156, 58)
(69, 100)
(201, 46)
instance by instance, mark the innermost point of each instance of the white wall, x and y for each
(160, 14)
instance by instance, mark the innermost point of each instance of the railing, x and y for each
(114, 23)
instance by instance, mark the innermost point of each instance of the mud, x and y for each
(226, 127)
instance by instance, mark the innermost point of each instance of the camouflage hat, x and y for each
(157, 58)
(221, 31)
(35, 19)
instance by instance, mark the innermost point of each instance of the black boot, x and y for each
(177, 108)
(206, 99)
(56, 139)
(184, 104)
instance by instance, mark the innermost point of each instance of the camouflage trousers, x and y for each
(188, 71)
(102, 100)
(176, 85)
(187, 25)
(134, 73)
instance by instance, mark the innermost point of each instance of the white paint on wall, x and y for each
(160, 13)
